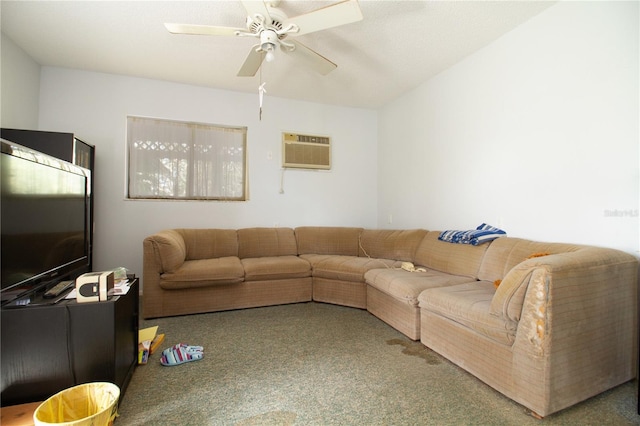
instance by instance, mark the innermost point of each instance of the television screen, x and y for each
(43, 220)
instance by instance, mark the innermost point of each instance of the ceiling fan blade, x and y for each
(252, 63)
(316, 61)
(342, 13)
(256, 7)
(202, 29)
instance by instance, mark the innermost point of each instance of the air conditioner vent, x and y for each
(306, 151)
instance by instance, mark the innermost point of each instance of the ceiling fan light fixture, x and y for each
(268, 40)
(269, 57)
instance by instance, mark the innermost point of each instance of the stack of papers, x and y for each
(120, 288)
(148, 342)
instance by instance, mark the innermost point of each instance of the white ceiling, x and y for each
(397, 46)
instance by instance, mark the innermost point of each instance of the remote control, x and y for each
(58, 289)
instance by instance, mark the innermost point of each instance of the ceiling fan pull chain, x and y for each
(261, 92)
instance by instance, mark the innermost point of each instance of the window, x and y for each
(185, 161)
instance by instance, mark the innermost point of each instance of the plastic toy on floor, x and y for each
(181, 353)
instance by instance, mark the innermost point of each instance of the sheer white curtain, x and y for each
(182, 160)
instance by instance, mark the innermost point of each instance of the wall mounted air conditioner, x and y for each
(306, 151)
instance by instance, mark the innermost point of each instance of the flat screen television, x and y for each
(44, 221)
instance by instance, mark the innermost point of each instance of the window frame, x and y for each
(190, 157)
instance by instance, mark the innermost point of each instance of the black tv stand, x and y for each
(50, 347)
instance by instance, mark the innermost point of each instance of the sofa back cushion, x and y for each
(266, 242)
(341, 241)
(390, 244)
(209, 243)
(506, 252)
(453, 258)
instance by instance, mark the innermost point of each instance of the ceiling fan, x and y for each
(272, 27)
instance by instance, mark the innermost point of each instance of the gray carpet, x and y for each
(320, 364)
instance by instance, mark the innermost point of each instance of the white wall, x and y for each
(95, 106)
(19, 87)
(536, 133)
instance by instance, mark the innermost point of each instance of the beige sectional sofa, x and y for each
(560, 327)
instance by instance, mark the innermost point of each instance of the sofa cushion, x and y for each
(328, 240)
(345, 268)
(390, 244)
(407, 286)
(204, 272)
(456, 259)
(275, 268)
(266, 242)
(468, 304)
(505, 253)
(209, 243)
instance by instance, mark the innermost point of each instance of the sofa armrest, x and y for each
(166, 249)
(152, 268)
(577, 335)
(161, 252)
(600, 267)
(584, 300)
